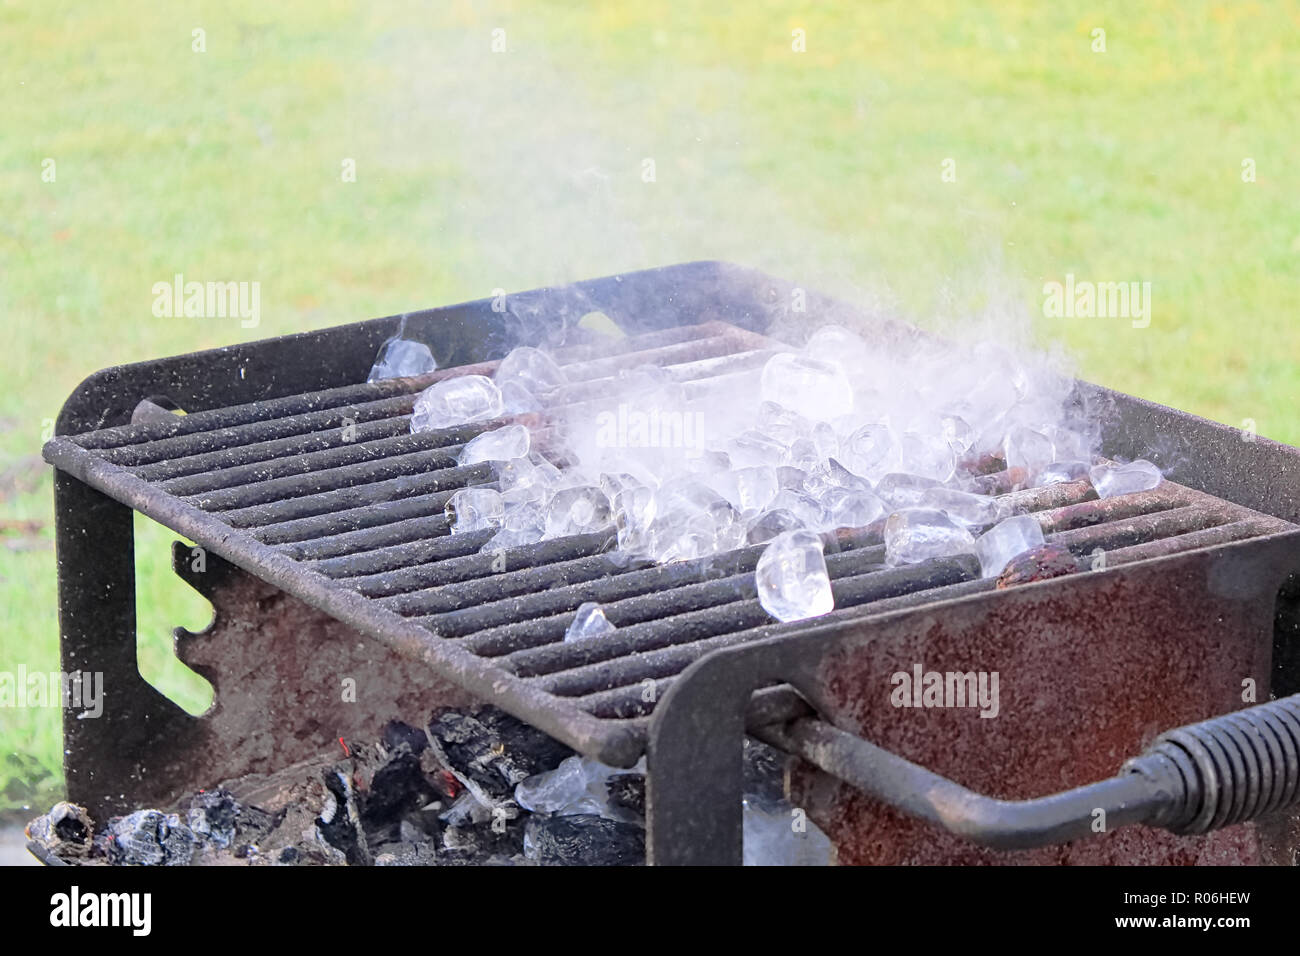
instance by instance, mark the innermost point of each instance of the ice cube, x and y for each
(695, 497)
(752, 448)
(401, 358)
(791, 577)
(852, 509)
(781, 424)
(787, 476)
(1028, 449)
(927, 455)
(576, 510)
(455, 401)
(1113, 479)
(772, 838)
(919, 534)
(634, 511)
(754, 487)
(579, 785)
(678, 537)
(532, 369)
(731, 536)
(872, 451)
(1006, 539)
(524, 479)
(810, 387)
(523, 523)
(474, 509)
(901, 490)
(508, 538)
(500, 444)
(804, 454)
(771, 523)
(1062, 471)
(809, 511)
(958, 433)
(613, 482)
(831, 474)
(526, 516)
(557, 791)
(963, 506)
(837, 345)
(517, 400)
(588, 621)
(827, 442)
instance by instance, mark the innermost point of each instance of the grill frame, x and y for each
(95, 498)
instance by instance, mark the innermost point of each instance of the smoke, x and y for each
(554, 174)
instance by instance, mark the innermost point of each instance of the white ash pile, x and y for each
(837, 434)
(472, 788)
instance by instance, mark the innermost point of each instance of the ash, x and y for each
(471, 788)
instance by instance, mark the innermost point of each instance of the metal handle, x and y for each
(1212, 774)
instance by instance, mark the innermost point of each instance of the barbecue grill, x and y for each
(322, 545)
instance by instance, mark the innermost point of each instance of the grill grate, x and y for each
(353, 524)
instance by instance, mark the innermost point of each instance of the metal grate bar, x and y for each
(346, 499)
(304, 461)
(355, 519)
(428, 549)
(298, 406)
(477, 567)
(377, 538)
(279, 448)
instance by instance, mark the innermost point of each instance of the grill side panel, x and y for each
(1088, 676)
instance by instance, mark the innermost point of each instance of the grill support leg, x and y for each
(696, 776)
(120, 758)
(695, 750)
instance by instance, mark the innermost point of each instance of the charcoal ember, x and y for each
(467, 810)
(419, 827)
(500, 841)
(339, 823)
(289, 821)
(149, 838)
(583, 840)
(66, 831)
(1038, 564)
(414, 827)
(444, 782)
(396, 787)
(255, 824)
(396, 734)
(493, 749)
(627, 791)
(214, 816)
(530, 749)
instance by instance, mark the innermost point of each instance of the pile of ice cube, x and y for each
(837, 434)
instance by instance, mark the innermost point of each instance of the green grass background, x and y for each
(478, 169)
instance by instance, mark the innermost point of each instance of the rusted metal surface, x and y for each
(1087, 677)
(1234, 768)
(288, 680)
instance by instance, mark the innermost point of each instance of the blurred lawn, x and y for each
(478, 169)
